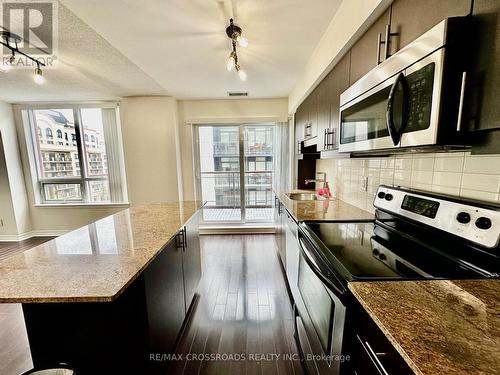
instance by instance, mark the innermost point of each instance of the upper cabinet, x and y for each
(318, 115)
(324, 104)
(306, 120)
(364, 51)
(484, 79)
(301, 118)
(311, 129)
(412, 18)
(338, 83)
(482, 111)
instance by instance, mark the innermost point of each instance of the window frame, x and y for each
(31, 126)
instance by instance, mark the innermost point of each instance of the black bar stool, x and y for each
(60, 369)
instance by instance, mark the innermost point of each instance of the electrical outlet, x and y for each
(364, 183)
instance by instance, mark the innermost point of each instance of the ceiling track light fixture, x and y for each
(11, 41)
(234, 33)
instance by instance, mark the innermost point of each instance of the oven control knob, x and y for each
(463, 218)
(483, 223)
(381, 195)
(375, 252)
(388, 197)
(382, 256)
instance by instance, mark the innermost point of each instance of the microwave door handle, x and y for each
(394, 132)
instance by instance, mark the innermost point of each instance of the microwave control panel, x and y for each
(477, 224)
(420, 84)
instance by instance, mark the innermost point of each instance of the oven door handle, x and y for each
(311, 262)
(394, 132)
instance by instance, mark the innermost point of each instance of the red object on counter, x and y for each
(325, 192)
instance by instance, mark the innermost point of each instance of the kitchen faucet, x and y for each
(316, 180)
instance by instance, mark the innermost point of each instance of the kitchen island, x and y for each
(438, 326)
(105, 297)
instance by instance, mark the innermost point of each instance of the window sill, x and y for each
(82, 205)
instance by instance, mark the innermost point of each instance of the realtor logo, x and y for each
(35, 22)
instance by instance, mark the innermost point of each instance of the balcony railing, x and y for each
(222, 148)
(258, 149)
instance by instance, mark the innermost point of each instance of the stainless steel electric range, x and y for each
(415, 236)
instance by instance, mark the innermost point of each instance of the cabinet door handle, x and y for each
(461, 103)
(387, 40)
(375, 358)
(386, 53)
(185, 239)
(379, 42)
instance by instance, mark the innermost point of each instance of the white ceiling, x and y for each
(175, 47)
(88, 68)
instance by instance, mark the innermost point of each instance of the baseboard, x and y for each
(33, 233)
(49, 232)
(237, 230)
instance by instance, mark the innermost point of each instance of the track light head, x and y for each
(38, 77)
(234, 33)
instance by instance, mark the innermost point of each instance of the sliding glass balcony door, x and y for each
(235, 172)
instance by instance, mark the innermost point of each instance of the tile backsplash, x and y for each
(453, 173)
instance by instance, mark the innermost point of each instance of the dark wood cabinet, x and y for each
(164, 287)
(412, 18)
(483, 82)
(301, 117)
(409, 19)
(323, 114)
(338, 83)
(369, 349)
(311, 115)
(364, 51)
(191, 259)
(279, 230)
(171, 281)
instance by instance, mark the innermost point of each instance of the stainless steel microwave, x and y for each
(414, 98)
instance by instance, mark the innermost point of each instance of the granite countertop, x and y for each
(331, 209)
(438, 327)
(94, 263)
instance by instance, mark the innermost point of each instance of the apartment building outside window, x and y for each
(236, 164)
(85, 164)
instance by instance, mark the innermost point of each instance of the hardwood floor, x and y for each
(243, 310)
(10, 248)
(15, 355)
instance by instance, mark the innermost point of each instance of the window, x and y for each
(77, 172)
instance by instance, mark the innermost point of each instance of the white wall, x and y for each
(234, 111)
(8, 227)
(149, 127)
(155, 130)
(351, 20)
(14, 170)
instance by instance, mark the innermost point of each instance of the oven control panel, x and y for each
(478, 224)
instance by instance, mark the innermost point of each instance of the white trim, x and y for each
(237, 230)
(34, 233)
(82, 205)
(24, 110)
(233, 120)
(178, 153)
(67, 105)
